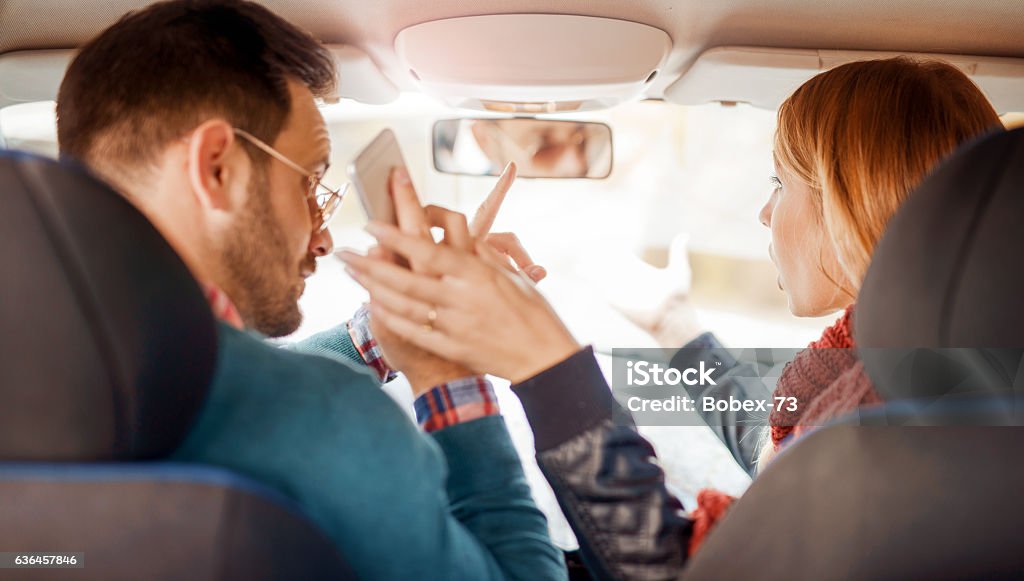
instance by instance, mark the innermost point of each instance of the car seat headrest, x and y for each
(108, 344)
(940, 310)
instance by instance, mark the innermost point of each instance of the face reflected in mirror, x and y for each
(540, 148)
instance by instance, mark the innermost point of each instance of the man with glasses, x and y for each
(202, 114)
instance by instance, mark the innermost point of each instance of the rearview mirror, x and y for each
(541, 148)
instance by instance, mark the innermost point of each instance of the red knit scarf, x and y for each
(827, 381)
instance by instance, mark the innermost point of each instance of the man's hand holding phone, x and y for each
(460, 299)
(376, 173)
(423, 369)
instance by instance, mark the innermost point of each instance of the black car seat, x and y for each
(940, 325)
(108, 349)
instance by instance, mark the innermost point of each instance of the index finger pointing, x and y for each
(488, 210)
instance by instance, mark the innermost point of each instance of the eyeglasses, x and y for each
(323, 201)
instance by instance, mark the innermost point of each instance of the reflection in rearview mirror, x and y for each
(541, 148)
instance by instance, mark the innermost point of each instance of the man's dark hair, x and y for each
(161, 71)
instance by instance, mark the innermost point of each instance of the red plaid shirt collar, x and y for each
(222, 306)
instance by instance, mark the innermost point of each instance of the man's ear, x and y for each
(213, 163)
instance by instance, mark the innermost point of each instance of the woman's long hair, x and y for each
(864, 134)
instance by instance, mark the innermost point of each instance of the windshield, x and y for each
(687, 182)
(694, 176)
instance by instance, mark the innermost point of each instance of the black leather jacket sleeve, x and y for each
(604, 474)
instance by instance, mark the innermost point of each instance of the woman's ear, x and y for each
(213, 164)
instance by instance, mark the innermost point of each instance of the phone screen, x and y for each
(370, 172)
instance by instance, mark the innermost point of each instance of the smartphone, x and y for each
(370, 172)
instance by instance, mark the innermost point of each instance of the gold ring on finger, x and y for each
(431, 319)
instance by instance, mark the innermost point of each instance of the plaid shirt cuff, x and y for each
(456, 402)
(366, 345)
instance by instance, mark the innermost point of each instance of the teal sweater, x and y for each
(398, 503)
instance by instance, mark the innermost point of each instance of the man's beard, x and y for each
(260, 275)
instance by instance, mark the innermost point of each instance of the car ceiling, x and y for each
(981, 27)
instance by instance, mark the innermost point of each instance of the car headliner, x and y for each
(980, 27)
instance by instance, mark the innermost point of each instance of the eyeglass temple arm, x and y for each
(271, 151)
